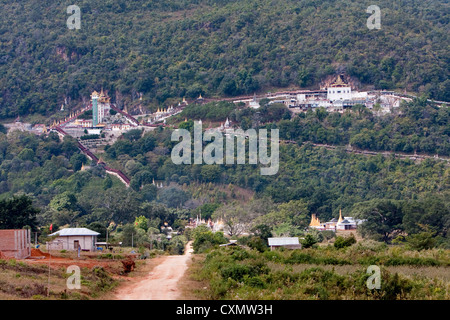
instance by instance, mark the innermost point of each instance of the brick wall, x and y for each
(15, 243)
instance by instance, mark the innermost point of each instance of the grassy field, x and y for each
(46, 278)
(22, 281)
(324, 273)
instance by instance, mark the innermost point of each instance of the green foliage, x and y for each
(284, 275)
(213, 111)
(419, 127)
(343, 242)
(309, 241)
(258, 243)
(222, 48)
(141, 222)
(90, 137)
(17, 213)
(173, 197)
(205, 239)
(421, 241)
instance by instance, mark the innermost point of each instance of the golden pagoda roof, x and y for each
(339, 82)
(315, 222)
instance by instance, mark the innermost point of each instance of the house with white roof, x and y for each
(286, 242)
(71, 238)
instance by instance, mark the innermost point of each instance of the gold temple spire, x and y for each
(340, 216)
(315, 222)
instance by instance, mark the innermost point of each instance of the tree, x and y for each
(210, 173)
(383, 218)
(107, 182)
(262, 231)
(17, 212)
(343, 242)
(66, 200)
(141, 222)
(77, 161)
(309, 241)
(204, 239)
(235, 218)
(173, 197)
(133, 135)
(422, 240)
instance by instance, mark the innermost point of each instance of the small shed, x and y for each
(71, 238)
(285, 242)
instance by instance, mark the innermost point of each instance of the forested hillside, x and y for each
(171, 49)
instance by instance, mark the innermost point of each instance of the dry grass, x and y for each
(190, 286)
(20, 281)
(343, 281)
(441, 273)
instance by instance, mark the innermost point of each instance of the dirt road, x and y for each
(161, 282)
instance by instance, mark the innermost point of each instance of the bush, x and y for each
(342, 242)
(256, 282)
(205, 239)
(309, 241)
(368, 245)
(90, 137)
(299, 257)
(237, 272)
(421, 241)
(258, 244)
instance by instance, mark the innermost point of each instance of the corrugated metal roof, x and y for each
(283, 241)
(75, 232)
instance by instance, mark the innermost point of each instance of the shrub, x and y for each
(258, 244)
(237, 272)
(239, 254)
(205, 239)
(342, 242)
(394, 287)
(309, 241)
(421, 241)
(90, 137)
(300, 257)
(368, 245)
(398, 261)
(256, 282)
(274, 256)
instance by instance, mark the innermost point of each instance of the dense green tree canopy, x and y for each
(168, 50)
(17, 213)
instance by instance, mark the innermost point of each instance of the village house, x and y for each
(71, 238)
(285, 242)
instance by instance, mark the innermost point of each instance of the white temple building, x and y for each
(346, 223)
